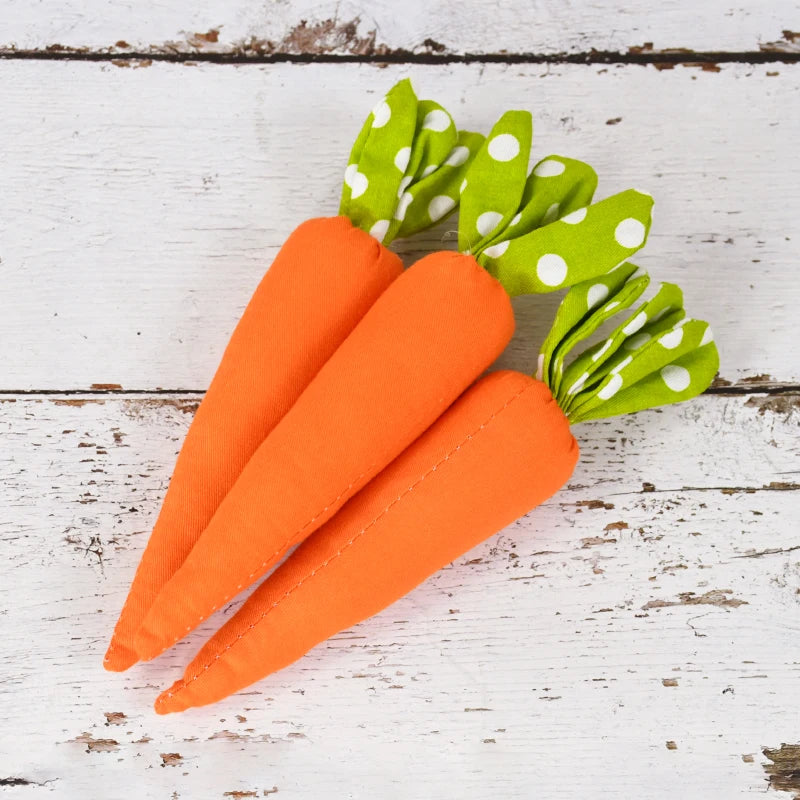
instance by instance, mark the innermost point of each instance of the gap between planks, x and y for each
(661, 59)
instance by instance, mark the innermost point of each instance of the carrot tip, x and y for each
(118, 657)
(172, 700)
(148, 645)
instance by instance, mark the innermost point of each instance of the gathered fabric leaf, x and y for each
(656, 356)
(495, 182)
(406, 166)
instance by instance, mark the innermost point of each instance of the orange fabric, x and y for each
(503, 448)
(426, 338)
(321, 283)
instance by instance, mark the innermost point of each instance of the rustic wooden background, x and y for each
(636, 637)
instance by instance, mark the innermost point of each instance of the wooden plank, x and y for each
(348, 28)
(141, 206)
(636, 636)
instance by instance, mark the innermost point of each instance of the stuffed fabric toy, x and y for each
(375, 445)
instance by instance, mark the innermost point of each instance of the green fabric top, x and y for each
(656, 356)
(535, 231)
(539, 232)
(406, 166)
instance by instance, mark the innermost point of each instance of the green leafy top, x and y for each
(539, 232)
(656, 356)
(406, 166)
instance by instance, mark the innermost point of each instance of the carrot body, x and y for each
(326, 276)
(500, 450)
(428, 336)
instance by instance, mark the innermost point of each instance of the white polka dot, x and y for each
(440, 205)
(630, 233)
(540, 367)
(708, 336)
(458, 156)
(401, 159)
(349, 173)
(358, 185)
(404, 181)
(635, 324)
(601, 352)
(578, 385)
(378, 230)
(436, 120)
(672, 339)
(381, 114)
(504, 147)
(496, 250)
(402, 206)
(551, 269)
(463, 186)
(575, 217)
(429, 169)
(610, 306)
(596, 294)
(677, 378)
(611, 388)
(515, 220)
(622, 364)
(487, 222)
(548, 169)
(635, 342)
(663, 313)
(551, 215)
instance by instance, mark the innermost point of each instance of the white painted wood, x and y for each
(559, 658)
(141, 206)
(346, 27)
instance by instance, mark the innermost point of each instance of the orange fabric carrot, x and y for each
(322, 282)
(426, 338)
(326, 276)
(504, 447)
(480, 467)
(429, 335)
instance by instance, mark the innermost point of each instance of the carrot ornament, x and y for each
(327, 275)
(500, 450)
(430, 334)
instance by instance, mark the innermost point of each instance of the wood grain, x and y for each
(653, 600)
(141, 206)
(330, 27)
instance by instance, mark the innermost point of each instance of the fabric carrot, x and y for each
(503, 448)
(428, 336)
(326, 276)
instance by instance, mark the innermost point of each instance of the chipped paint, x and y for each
(715, 597)
(94, 745)
(783, 772)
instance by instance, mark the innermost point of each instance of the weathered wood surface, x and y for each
(141, 206)
(324, 27)
(637, 636)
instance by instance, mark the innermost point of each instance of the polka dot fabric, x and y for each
(406, 166)
(656, 356)
(539, 232)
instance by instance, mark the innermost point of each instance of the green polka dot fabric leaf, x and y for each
(582, 244)
(539, 232)
(655, 357)
(592, 367)
(495, 182)
(435, 194)
(582, 312)
(406, 166)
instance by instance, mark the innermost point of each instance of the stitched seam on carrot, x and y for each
(325, 563)
(282, 548)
